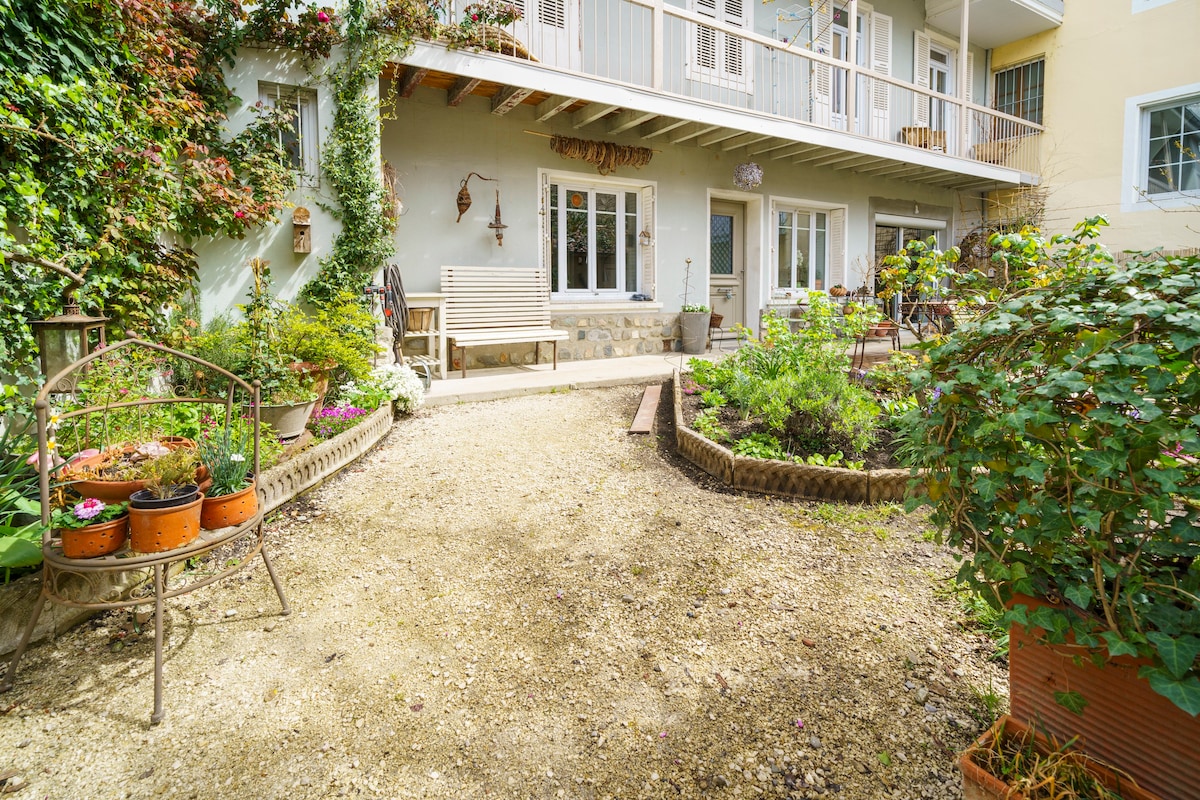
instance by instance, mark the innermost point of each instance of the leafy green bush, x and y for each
(1062, 446)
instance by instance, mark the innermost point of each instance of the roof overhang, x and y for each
(991, 23)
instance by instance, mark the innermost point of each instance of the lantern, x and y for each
(64, 339)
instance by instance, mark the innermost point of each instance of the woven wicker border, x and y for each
(785, 478)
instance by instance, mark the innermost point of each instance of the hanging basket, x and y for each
(747, 176)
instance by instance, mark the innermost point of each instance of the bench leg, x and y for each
(537, 353)
(462, 359)
(555, 354)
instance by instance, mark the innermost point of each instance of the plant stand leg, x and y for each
(287, 609)
(157, 716)
(26, 635)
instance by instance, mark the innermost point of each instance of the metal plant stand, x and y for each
(84, 592)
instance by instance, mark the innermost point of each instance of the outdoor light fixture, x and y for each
(496, 224)
(463, 201)
(645, 239)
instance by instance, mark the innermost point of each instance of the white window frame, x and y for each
(836, 245)
(719, 75)
(305, 123)
(1136, 152)
(555, 262)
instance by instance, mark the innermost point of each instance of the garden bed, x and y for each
(785, 478)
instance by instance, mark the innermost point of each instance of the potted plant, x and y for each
(1012, 762)
(91, 527)
(837, 290)
(114, 474)
(693, 327)
(1061, 446)
(166, 513)
(233, 498)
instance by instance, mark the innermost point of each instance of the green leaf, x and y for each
(1183, 693)
(1118, 646)
(1079, 594)
(1071, 701)
(17, 552)
(1177, 654)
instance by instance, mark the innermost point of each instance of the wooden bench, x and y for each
(498, 305)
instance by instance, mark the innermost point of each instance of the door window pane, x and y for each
(554, 236)
(721, 243)
(819, 250)
(606, 241)
(578, 239)
(803, 252)
(631, 242)
(784, 251)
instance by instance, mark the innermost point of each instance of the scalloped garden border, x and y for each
(785, 478)
(280, 484)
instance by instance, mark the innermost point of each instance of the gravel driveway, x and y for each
(518, 599)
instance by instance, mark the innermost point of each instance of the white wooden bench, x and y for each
(498, 305)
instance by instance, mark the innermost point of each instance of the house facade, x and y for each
(652, 154)
(1124, 142)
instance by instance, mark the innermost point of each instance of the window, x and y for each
(717, 57)
(1172, 148)
(300, 142)
(802, 250)
(594, 245)
(1019, 90)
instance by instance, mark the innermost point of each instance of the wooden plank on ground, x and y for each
(643, 421)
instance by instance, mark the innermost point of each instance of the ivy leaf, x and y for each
(1178, 654)
(1118, 646)
(1071, 701)
(1183, 693)
(1080, 594)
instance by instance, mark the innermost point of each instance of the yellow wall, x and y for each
(1103, 55)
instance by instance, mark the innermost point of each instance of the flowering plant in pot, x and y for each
(1061, 456)
(232, 499)
(91, 527)
(166, 514)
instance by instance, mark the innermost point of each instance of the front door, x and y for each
(727, 261)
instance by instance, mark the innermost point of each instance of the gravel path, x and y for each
(518, 599)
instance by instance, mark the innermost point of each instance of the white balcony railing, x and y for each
(669, 49)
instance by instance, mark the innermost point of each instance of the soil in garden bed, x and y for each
(880, 456)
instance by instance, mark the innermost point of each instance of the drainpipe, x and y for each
(964, 127)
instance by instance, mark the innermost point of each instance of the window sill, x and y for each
(602, 306)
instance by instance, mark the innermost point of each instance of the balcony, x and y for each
(669, 72)
(992, 23)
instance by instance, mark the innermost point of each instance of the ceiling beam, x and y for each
(825, 162)
(462, 87)
(720, 136)
(795, 151)
(781, 143)
(508, 98)
(552, 106)
(660, 126)
(590, 113)
(412, 79)
(629, 119)
(692, 131)
(857, 162)
(745, 140)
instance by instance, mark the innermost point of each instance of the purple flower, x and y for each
(89, 509)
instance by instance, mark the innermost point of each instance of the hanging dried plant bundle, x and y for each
(605, 155)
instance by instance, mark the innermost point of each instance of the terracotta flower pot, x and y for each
(229, 509)
(95, 540)
(120, 491)
(156, 530)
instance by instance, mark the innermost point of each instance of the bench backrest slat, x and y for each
(495, 298)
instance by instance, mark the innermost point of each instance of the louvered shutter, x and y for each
(969, 94)
(552, 13)
(821, 87)
(881, 62)
(706, 38)
(921, 78)
(837, 247)
(734, 14)
(549, 262)
(648, 268)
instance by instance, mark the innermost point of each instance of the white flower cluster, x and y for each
(402, 385)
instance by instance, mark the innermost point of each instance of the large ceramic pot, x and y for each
(96, 540)
(979, 783)
(693, 331)
(318, 377)
(156, 530)
(1125, 722)
(287, 420)
(229, 509)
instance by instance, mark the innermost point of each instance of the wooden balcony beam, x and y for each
(889, 170)
(590, 113)
(745, 140)
(552, 106)
(776, 145)
(629, 119)
(822, 161)
(660, 126)
(508, 98)
(692, 131)
(462, 87)
(718, 137)
(412, 79)
(795, 151)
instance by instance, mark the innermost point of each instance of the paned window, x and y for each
(300, 142)
(1172, 147)
(802, 249)
(1019, 90)
(594, 239)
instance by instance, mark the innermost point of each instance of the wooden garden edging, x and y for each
(279, 485)
(803, 481)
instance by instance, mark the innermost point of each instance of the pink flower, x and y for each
(322, 16)
(475, 18)
(89, 509)
(239, 214)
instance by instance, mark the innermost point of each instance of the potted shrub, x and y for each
(233, 498)
(693, 327)
(114, 474)
(166, 513)
(91, 527)
(1061, 444)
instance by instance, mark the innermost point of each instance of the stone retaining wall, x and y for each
(278, 485)
(785, 478)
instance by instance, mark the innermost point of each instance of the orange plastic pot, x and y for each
(95, 540)
(229, 509)
(119, 491)
(156, 530)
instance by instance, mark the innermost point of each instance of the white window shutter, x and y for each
(648, 269)
(969, 93)
(549, 262)
(822, 78)
(881, 62)
(837, 247)
(921, 78)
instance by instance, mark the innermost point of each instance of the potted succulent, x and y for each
(91, 527)
(1061, 445)
(114, 474)
(233, 498)
(693, 327)
(166, 513)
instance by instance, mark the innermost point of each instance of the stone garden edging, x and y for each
(802, 481)
(278, 485)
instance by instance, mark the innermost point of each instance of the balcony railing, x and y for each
(669, 49)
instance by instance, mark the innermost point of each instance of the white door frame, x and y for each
(754, 286)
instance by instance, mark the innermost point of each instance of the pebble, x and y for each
(922, 694)
(628, 598)
(721, 781)
(726, 591)
(814, 742)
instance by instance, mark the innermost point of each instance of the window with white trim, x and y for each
(1170, 146)
(594, 247)
(717, 57)
(1019, 90)
(802, 249)
(300, 143)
